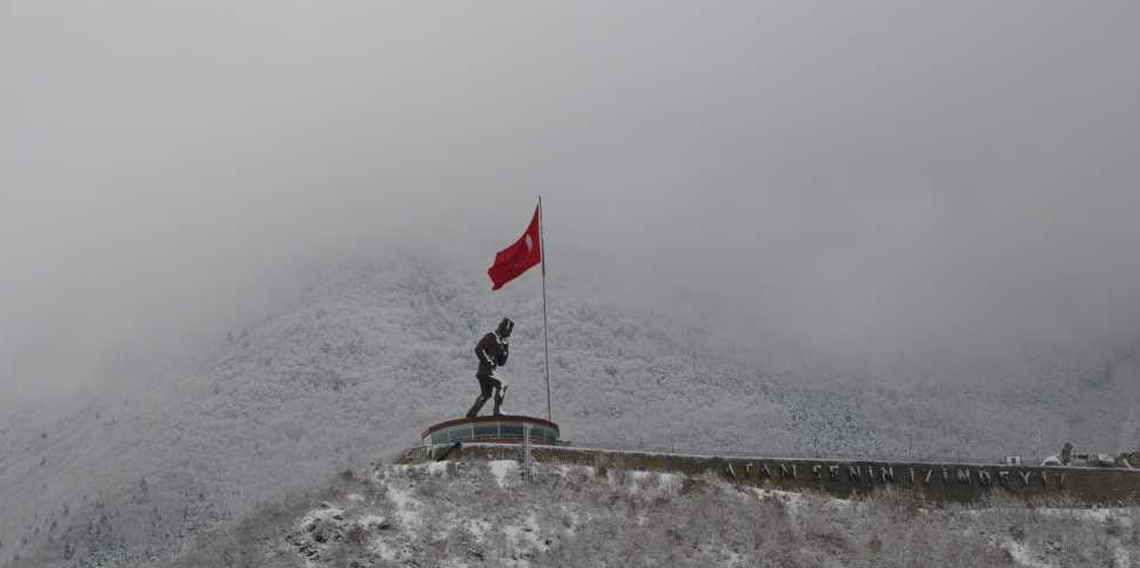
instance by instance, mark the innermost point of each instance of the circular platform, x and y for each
(503, 429)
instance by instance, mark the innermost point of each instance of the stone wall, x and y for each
(933, 483)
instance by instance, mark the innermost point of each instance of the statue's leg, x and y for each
(479, 401)
(484, 396)
(500, 394)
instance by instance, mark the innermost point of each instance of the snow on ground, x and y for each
(636, 478)
(478, 529)
(1022, 556)
(381, 549)
(1115, 521)
(438, 468)
(448, 523)
(522, 540)
(1122, 518)
(736, 558)
(564, 471)
(503, 470)
(311, 518)
(371, 521)
(453, 563)
(407, 508)
(480, 514)
(793, 501)
(646, 484)
(670, 482)
(1122, 557)
(570, 519)
(1091, 515)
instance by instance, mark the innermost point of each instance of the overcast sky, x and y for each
(869, 179)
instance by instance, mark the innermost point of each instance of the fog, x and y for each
(876, 181)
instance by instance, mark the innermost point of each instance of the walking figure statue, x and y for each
(492, 353)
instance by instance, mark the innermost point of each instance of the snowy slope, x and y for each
(486, 514)
(374, 350)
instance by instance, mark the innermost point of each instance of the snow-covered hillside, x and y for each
(374, 350)
(471, 514)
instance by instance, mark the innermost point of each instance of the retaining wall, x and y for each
(936, 483)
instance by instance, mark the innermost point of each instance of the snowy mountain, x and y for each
(374, 350)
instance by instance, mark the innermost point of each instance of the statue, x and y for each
(1130, 460)
(492, 353)
(1064, 458)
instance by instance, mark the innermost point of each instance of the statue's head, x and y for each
(1067, 452)
(505, 328)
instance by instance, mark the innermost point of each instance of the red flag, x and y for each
(516, 259)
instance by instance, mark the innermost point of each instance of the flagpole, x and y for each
(545, 340)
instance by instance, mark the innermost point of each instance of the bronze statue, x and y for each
(492, 353)
(1064, 458)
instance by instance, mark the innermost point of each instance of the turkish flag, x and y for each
(526, 252)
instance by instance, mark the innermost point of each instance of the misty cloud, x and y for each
(874, 182)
